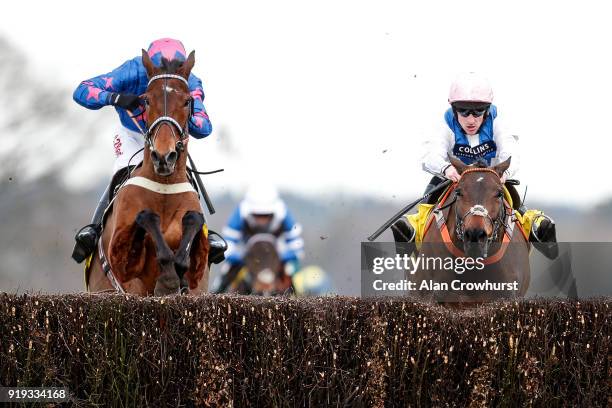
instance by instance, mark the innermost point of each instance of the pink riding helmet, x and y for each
(167, 48)
(470, 87)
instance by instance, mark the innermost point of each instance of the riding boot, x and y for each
(403, 231)
(544, 236)
(403, 234)
(433, 183)
(87, 237)
(218, 246)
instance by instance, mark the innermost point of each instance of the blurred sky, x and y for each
(328, 96)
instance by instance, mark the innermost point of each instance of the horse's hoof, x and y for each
(166, 285)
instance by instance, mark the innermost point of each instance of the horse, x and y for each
(154, 238)
(263, 272)
(477, 228)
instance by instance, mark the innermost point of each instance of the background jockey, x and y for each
(121, 88)
(261, 211)
(473, 130)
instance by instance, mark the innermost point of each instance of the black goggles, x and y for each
(465, 112)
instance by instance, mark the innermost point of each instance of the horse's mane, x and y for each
(170, 66)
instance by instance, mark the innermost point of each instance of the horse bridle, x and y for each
(150, 133)
(479, 210)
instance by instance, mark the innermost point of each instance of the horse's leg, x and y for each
(192, 225)
(96, 279)
(198, 271)
(168, 280)
(126, 252)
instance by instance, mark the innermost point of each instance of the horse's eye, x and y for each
(188, 102)
(146, 101)
(499, 194)
(458, 192)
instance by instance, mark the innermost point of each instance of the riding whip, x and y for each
(406, 209)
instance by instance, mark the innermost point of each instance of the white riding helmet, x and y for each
(470, 87)
(262, 199)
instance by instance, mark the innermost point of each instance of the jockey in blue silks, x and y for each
(261, 211)
(473, 131)
(121, 89)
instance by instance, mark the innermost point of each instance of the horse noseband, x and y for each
(479, 210)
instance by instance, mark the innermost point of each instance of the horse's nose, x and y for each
(171, 158)
(168, 159)
(475, 235)
(156, 157)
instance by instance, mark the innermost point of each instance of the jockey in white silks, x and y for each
(473, 130)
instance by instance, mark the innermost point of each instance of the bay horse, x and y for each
(474, 220)
(154, 238)
(263, 271)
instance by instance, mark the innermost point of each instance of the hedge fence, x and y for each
(117, 350)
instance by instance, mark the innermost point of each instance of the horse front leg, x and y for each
(192, 225)
(167, 281)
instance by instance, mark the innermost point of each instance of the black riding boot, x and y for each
(403, 231)
(87, 237)
(544, 236)
(403, 234)
(433, 183)
(218, 246)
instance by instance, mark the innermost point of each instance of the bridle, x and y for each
(479, 210)
(151, 131)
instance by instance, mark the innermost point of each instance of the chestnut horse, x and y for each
(155, 241)
(474, 220)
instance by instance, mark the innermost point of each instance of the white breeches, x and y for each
(125, 143)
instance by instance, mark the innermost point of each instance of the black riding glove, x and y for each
(127, 101)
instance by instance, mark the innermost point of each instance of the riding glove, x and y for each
(127, 101)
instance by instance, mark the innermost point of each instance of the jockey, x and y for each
(261, 211)
(121, 88)
(472, 131)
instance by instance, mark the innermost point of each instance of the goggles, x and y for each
(465, 112)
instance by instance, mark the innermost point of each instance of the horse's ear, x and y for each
(458, 164)
(501, 167)
(188, 65)
(148, 64)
